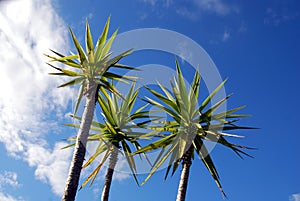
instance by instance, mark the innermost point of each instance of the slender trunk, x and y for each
(109, 174)
(80, 145)
(186, 164)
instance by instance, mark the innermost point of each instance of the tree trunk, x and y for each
(80, 145)
(109, 174)
(186, 164)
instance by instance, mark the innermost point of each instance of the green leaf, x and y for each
(206, 116)
(228, 113)
(102, 40)
(117, 65)
(181, 84)
(208, 99)
(79, 97)
(160, 162)
(168, 94)
(95, 171)
(164, 99)
(89, 39)
(78, 126)
(114, 76)
(65, 60)
(100, 149)
(144, 114)
(182, 106)
(104, 83)
(59, 74)
(193, 94)
(108, 44)
(158, 144)
(207, 161)
(173, 159)
(106, 110)
(111, 128)
(94, 123)
(117, 58)
(233, 147)
(73, 82)
(66, 72)
(130, 159)
(68, 146)
(174, 115)
(80, 51)
(233, 127)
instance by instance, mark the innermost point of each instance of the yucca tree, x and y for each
(118, 134)
(89, 69)
(190, 127)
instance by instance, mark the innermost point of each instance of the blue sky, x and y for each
(254, 43)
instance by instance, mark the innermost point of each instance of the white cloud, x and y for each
(51, 166)
(7, 197)
(9, 178)
(29, 99)
(243, 27)
(187, 13)
(211, 6)
(295, 197)
(151, 2)
(154, 3)
(279, 16)
(226, 35)
(216, 6)
(192, 9)
(168, 3)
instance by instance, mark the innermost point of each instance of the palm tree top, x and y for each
(122, 128)
(191, 125)
(91, 64)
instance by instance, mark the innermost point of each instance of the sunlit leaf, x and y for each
(211, 95)
(89, 39)
(73, 82)
(80, 51)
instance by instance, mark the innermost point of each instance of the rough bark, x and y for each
(80, 145)
(109, 174)
(183, 183)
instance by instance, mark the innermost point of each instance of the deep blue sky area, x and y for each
(256, 44)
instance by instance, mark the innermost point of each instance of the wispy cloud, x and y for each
(153, 3)
(192, 9)
(196, 8)
(187, 13)
(277, 16)
(295, 197)
(29, 98)
(215, 6)
(243, 27)
(226, 35)
(157, 7)
(7, 197)
(150, 2)
(9, 180)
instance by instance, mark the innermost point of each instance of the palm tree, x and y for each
(190, 127)
(118, 134)
(91, 72)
